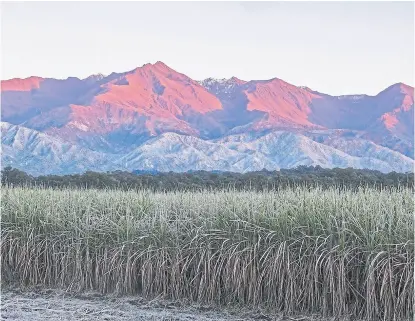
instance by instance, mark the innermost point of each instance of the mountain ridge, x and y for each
(118, 113)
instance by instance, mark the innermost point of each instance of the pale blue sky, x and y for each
(332, 47)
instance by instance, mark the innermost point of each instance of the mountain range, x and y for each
(155, 118)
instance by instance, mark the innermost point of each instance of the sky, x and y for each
(333, 47)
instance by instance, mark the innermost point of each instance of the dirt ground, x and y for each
(37, 305)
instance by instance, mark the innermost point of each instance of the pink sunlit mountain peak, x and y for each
(19, 84)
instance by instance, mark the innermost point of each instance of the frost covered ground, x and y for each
(36, 305)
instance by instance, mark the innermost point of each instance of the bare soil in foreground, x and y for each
(41, 304)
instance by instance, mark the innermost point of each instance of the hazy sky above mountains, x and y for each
(333, 47)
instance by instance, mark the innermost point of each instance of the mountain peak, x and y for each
(237, 81)
(157, 64)
(222, 81)
(98, 76)
(156, 67)
(19, 84)
(399, 87)
(160, 64)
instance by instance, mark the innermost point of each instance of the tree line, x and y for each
(196, 180)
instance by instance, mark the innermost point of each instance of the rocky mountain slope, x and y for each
(154, 117)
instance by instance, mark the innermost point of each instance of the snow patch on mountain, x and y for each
(220, 87)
